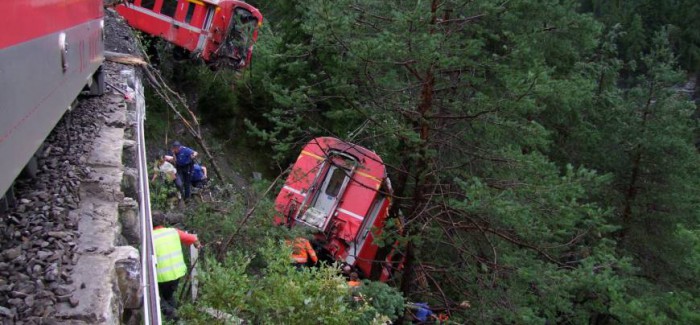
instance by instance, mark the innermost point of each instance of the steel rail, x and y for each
(151, 300)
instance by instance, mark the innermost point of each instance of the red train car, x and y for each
(220, 31)
(49, 50)
(340, 190)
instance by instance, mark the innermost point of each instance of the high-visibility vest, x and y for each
(302, 251)
(170, 263)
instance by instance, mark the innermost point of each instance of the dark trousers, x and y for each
(200, 183)
(167, 298)
(184, 173)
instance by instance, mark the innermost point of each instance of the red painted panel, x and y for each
(24, 20)
(181, 10)
(159, 27)
(198, 16)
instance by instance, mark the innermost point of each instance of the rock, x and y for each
(15, 301)
(18, 294)
(44, 294)
(58, 234)
(4, 311)
(29, 301)
(20, 260)
(64, 298)
(14, 220)
(130, 182)
(12, 253)
(129, 280)
(129, 220)
(62, 291)
(51, 272)
(50, 310)
(74, 302)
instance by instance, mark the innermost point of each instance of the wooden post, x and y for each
(194, 256)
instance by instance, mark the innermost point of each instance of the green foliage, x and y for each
(279, 294)
(543, 162)
(255, 281)
(383, 299)
(640, 19)
(163, 195)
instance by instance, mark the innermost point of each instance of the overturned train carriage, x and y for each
(222, 32)
(342, 192)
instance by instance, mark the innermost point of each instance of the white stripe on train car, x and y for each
(293, 190)
(352, 214)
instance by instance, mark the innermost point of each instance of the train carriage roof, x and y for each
(370, 162)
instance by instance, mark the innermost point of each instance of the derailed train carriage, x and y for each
(341, 191)
(221, 32)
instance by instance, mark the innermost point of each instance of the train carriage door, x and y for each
(365, 229)
(330, 190)
(333, 183)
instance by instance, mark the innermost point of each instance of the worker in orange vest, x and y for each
(302, 252)
(354, 283)
(354, 280)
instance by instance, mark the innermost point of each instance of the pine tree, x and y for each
(489, 116)
(451, 92)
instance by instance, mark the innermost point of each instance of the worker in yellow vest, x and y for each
(170, 262)
(302, 252)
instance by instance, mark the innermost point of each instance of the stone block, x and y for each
(130, 221)
(107, 148)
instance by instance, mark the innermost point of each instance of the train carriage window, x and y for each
(190, 12)
(148, 4)
(336, 182)
(169, 8)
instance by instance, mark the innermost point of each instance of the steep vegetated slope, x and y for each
(542, 158)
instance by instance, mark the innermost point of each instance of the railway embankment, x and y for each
(107, 271)
(64, 256)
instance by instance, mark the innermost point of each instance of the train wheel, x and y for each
(97, 86)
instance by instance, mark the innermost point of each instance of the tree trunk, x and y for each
(631, 191)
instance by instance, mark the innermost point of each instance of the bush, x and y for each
(279, 294)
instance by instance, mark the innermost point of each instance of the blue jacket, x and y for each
(184, 156)
(423, 313)
(197, 173)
